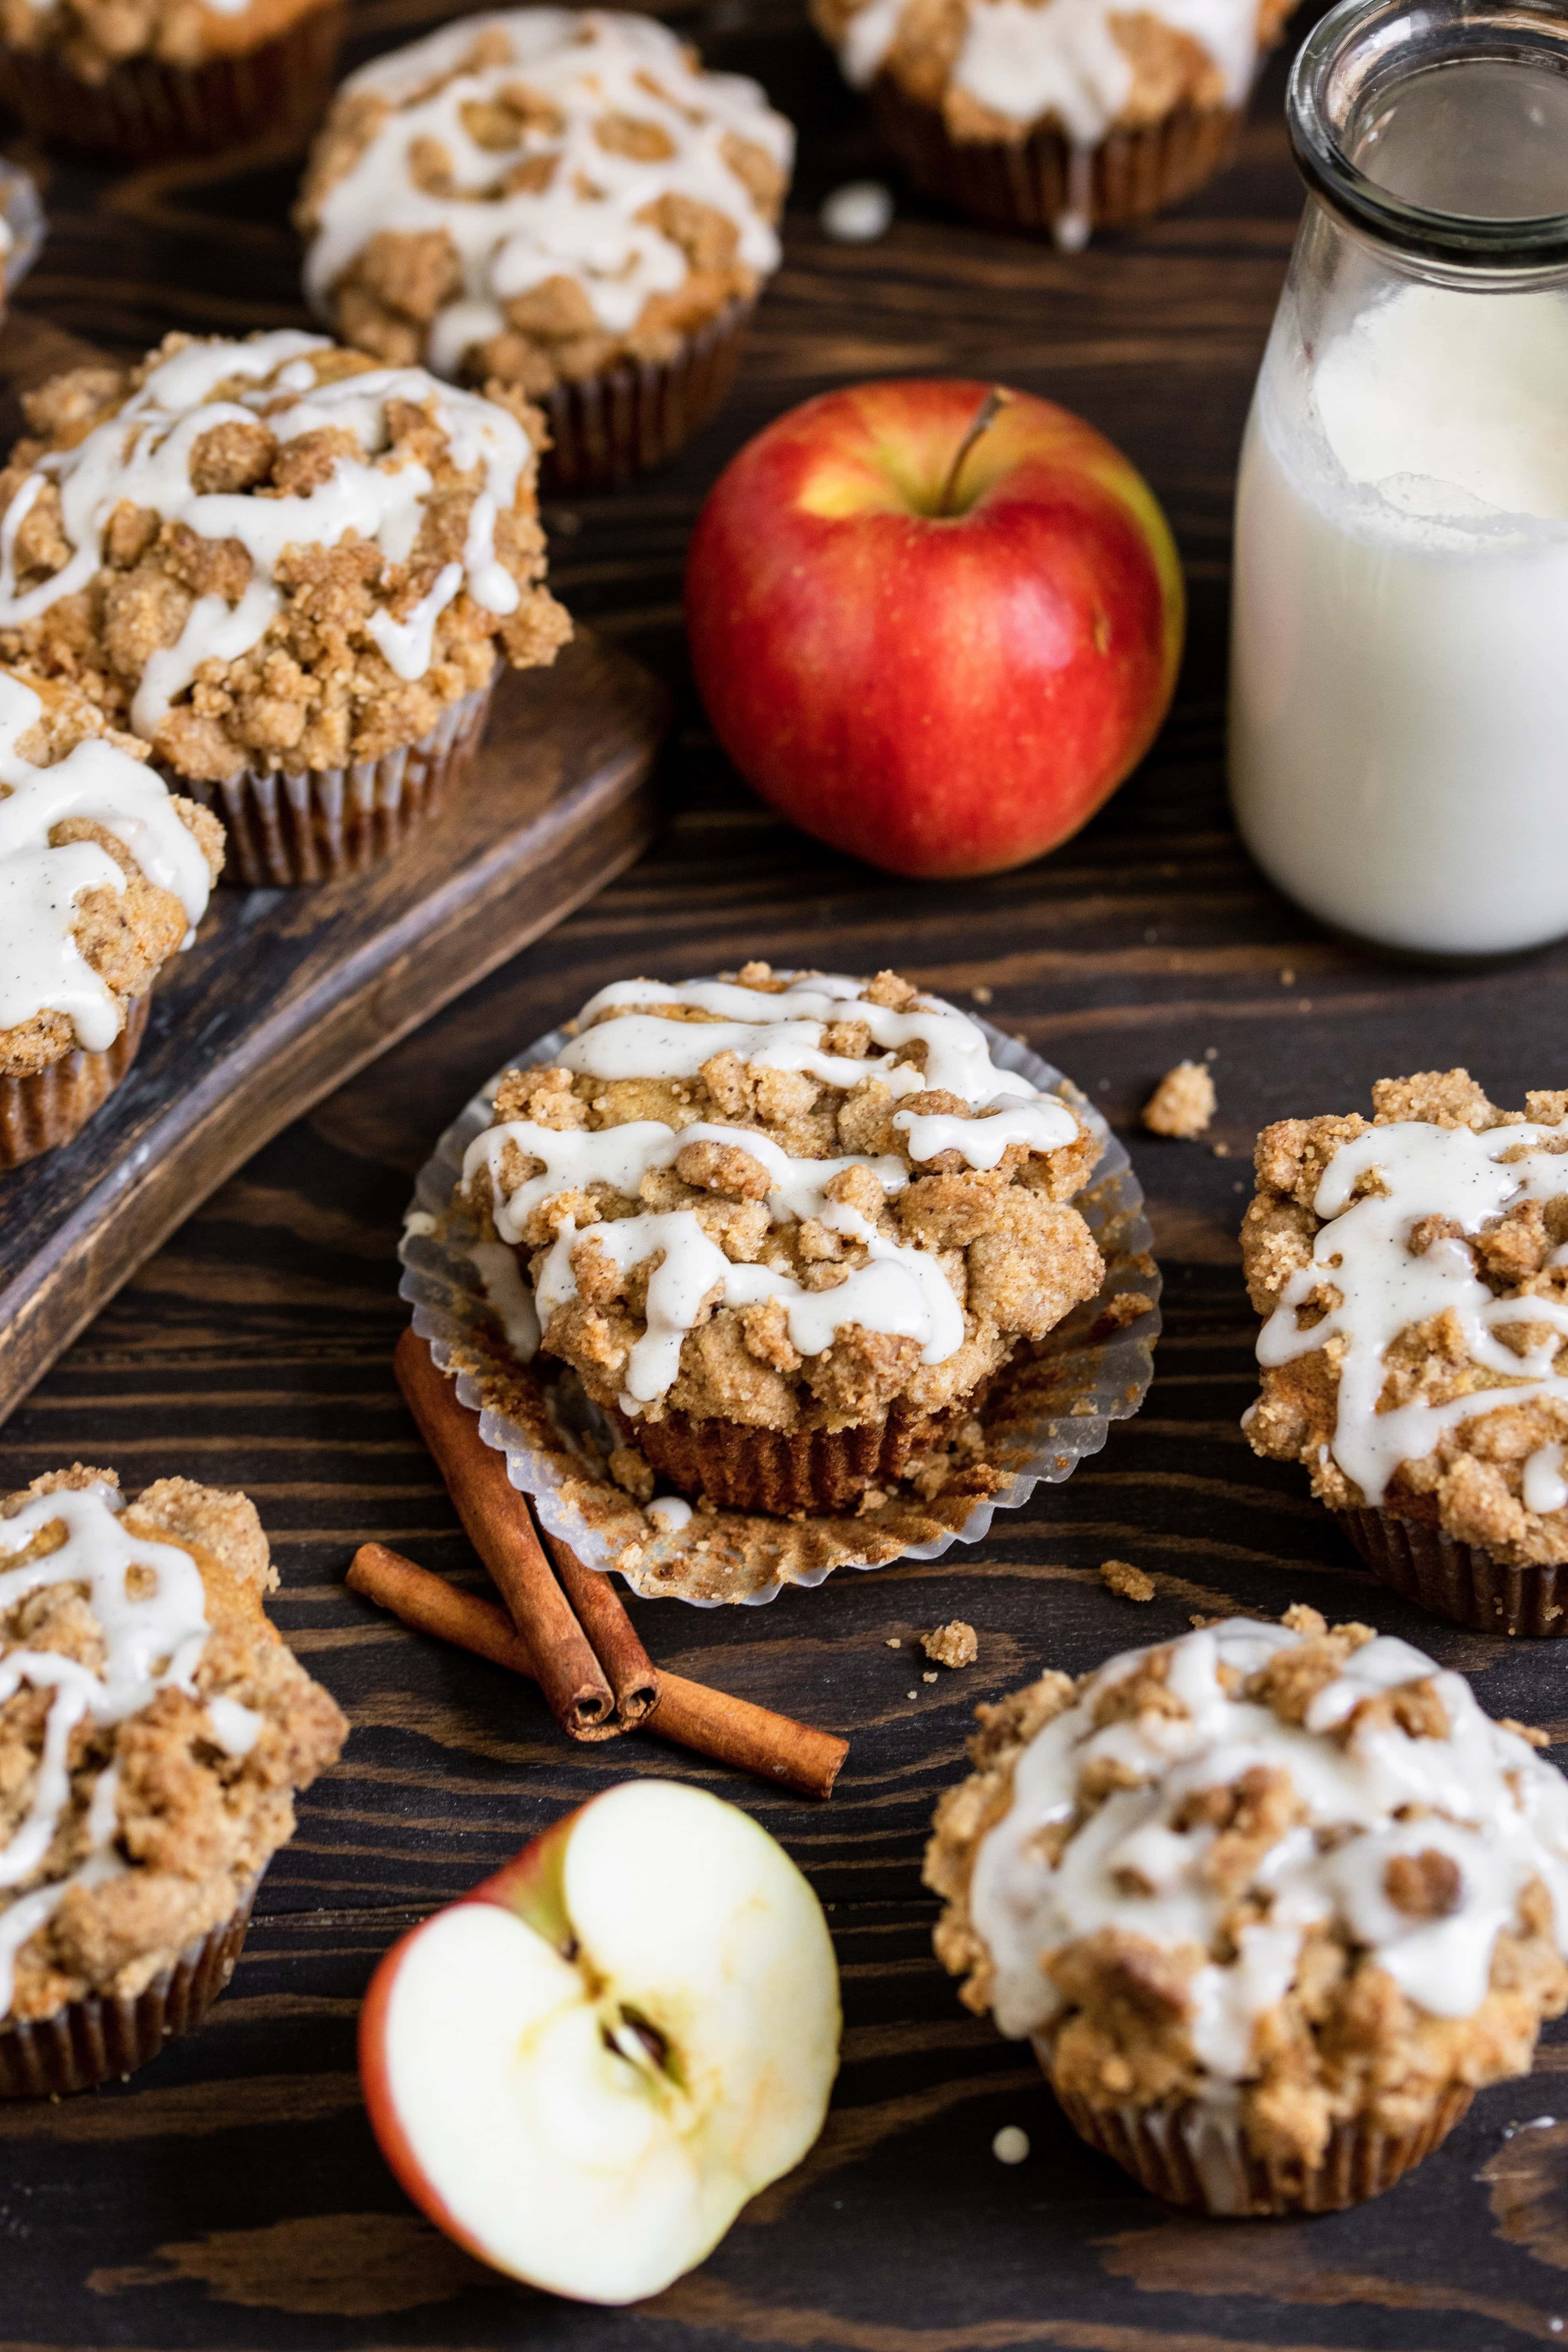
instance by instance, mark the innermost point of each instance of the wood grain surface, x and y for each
(232, 2197)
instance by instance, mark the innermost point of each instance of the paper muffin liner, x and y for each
(1050, 1408)
(628, 418)
(1044, 184)
(92, 2040)
(322, 823)
(1194, 2155)
(1460, 1581)
(748, 1469)
(144, 110)
(46, 1109)
(23, 213)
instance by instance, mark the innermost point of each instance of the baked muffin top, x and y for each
(996, 69)
(1293, 1872)
(787, 1201)
(103, 875)
(154, 1728)
(93, 37)
(272, 553)
(1413, 1272)
(537, 194)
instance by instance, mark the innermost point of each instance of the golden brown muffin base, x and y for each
(144, 108)
(39, 1112)
(742, 1468)
(326, 823)
(1461, 1581)
(93, 2039)
(628, 419)
(1028, 183)
(1359, 2162)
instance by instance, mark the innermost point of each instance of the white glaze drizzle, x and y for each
(152, 1641)
(42, 969)
(1488, 1802)
(1361, 1249)
(900, 1288)
(585, 224)
(143, 452)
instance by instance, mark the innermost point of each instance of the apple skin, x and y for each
(940, 693)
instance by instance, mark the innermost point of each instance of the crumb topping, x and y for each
(955, 1644)
(790, 1202)
(103, 875)
(536, 195)
(1183, 1104)
(272, 553)
(1416, 1311)
(152, 1730)
(1128, 1583)
(1291, 1872)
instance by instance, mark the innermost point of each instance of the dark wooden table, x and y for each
(233, 2196)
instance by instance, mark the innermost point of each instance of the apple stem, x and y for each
(985, 416)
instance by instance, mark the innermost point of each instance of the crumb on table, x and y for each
(1120, 1577)
(1183, 1103)
(954, 1644)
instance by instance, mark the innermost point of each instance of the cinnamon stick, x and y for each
(602, 1613)
(501, 1531)
(730, 1730)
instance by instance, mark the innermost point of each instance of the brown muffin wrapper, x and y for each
(1187, 2156)
(1460, 1581)
(144, 108)
(91, 2041)
(47, 1109)
(326, 823)
(630, 418)
(1033, 184)
(742, 1468)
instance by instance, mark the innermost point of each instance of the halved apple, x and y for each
(584, 2069)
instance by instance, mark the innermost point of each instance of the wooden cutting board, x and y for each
(286, 993)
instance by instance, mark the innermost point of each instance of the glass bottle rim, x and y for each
(1368, 47)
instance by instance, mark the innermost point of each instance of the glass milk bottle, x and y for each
(1399, 637)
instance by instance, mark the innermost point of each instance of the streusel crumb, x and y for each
(1183, 1104)
(1129, 1583)
(954, 1644)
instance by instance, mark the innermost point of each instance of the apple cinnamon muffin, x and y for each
(1271, 1901)
(144, 78)
(1412, 1273)
(153, 1730)
(1057, 120)
(785, 1230)
(560, 200)
(292, 573)
(104, 875)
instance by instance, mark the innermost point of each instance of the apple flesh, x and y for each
(936, 647)
(584, 2069)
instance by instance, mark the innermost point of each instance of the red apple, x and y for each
(583, 2070)
(935, 623)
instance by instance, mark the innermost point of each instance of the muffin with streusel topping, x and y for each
(294, 574)
(1411, 1272)
(135, 1652)
(784, 1231)
(560, 200)
(104, 875)
(1273, 1902)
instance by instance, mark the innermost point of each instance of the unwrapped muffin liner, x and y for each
(23, 213)
(144, 110)
(631, 417)
(1045, 185)
(1195, 2155)
(38, 1112)
(93, 2039)
(1048, 1409)
(321, 824)
(1458, 1580)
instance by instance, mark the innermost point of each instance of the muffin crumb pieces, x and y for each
(954, 1644)
(1183, 1104)
(1129, 1584)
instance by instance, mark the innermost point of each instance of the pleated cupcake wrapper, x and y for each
(325, 823)
(47, 1109)
(630, 418)
(23, 213)
(106, 2035)
(1460, 1581)
(742, 1468)
(1195, 2155)
(144, 108)
(1096, 1377)
(1043, 183)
